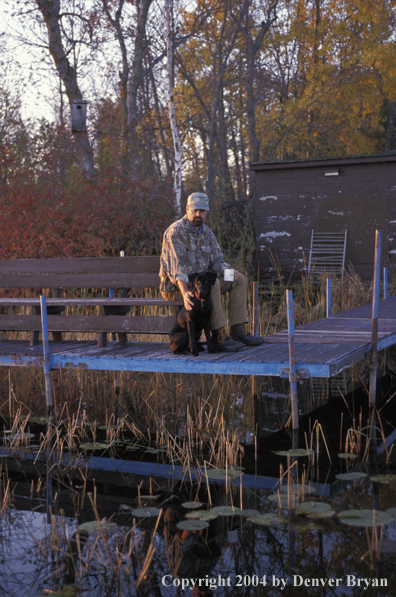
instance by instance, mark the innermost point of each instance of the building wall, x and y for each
(292, 199)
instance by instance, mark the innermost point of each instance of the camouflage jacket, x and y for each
(185, 251)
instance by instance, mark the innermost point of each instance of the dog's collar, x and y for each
(200, 299)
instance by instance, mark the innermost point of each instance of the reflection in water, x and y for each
(43, 550)
(232, 551)
(192, 554)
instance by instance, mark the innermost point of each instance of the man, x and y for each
(190, 246)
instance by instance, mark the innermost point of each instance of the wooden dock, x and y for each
(322, 349)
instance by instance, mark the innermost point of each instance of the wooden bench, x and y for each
(58, 278)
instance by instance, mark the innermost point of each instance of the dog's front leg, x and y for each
(208, 338)
(191, 335)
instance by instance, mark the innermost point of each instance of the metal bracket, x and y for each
(300, 374)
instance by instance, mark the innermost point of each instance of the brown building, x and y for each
(357, 194)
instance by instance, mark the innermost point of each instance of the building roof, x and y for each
(389, 156)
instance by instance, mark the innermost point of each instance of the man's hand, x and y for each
(187, 295)
(236, 274)
(188, 299)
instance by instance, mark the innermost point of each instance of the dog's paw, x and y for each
(212, 350)
(195, 353)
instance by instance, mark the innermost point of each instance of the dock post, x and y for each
(328, 297)
(374, 319)
(48, 398)
(328, 314)
(385, 297)
(255, 333)
(46, 359)
(292, 360)
(116, 373)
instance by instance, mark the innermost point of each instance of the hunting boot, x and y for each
(221, 342)
(240, 333)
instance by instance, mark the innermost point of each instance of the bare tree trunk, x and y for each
(137, 75)
(238, 172)
(123, 81)
(217, 95)
(50, 9)
(252, 47)
(172, 115)
(391, 126)
(159, 118)
(225, 174)
(311, 111)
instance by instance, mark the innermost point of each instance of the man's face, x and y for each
(196, 216)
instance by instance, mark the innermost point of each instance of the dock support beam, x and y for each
(328, 297)
(48, 398)
(292, 360)
(255, 333)
(374, 318)
(46, 357)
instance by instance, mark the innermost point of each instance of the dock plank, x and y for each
(323, 348)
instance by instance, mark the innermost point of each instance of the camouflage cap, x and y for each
(198, 201)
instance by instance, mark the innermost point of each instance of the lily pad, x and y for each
(282, 500)
(305, 527)
(296, 452)
(94, 446)
(192, 505)
(132, 448)
(365, 518)
(66, 591)
(313, 508)
(248, 512)
(351, 476)
(326, 514)
(93, 526)
(20, 436)
(347, 455)
(298, 488)
(266, 519)
(202, 515)
(225, 510)
(391, 511)
(112, 427)
(192, 525)
(39, 420)
(145, 512)
(125, 508)
(221, 474)
(384, 478)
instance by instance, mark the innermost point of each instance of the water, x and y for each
(36, 556)
(41, 552)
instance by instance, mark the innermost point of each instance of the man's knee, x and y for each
(216, 287)
(241, 280)
(171, 296)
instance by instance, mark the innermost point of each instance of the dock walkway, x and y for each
(322, 349)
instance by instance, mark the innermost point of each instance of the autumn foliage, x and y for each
(51, 210)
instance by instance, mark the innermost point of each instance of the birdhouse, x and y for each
(79, 116)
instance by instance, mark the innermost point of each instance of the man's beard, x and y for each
(197, 220)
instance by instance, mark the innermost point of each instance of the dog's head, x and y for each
(202, 282)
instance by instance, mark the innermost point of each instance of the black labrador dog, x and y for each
(187, 329)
